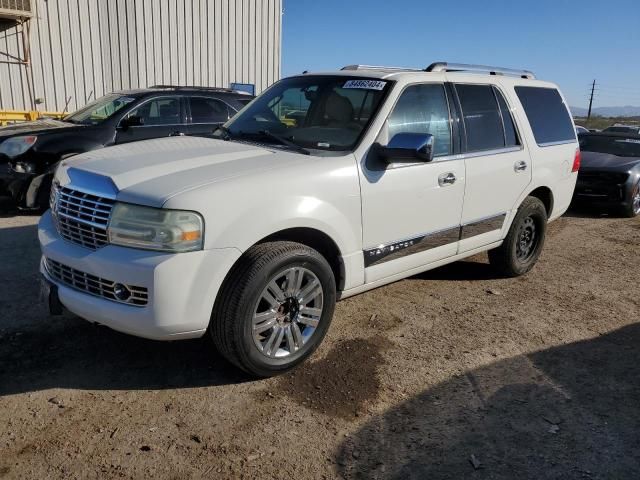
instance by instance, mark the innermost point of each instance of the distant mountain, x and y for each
(626, 111)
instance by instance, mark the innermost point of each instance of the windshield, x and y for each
(619, 146)
(99, 110)
(319, 112)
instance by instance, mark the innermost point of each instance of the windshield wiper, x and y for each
(226, 132)
(284, 141)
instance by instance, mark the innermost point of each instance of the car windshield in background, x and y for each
(99, 110)
(319, 112)
(619, 146)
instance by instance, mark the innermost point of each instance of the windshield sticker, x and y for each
(324, 145)
(366, 84)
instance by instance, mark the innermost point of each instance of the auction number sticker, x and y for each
(366, 84)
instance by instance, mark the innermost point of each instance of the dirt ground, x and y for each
(454, 373)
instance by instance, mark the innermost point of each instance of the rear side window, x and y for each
(422, 109)
(547, 114)
(481, 115)
(208, 110)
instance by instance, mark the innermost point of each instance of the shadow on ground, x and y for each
(38, 351)
(566, 412)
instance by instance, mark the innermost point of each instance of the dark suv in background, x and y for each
(30, 151)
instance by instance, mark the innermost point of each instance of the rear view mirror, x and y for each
(409, 147)
(132, 121)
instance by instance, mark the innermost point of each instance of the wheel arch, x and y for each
(545, 195)
(319, 241)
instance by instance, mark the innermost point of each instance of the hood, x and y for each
(152, 171)
(46, 125)
(606, 161)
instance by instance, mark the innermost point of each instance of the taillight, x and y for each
(576, 161)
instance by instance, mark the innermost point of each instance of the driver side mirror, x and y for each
(132, 121)
(405, 147)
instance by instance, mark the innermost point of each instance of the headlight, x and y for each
(15, 146)
(22, 167)
(155, 228)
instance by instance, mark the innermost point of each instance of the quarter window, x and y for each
(481, 116)
(547, 114)
(208, 110)
(423, 109)
(160, 111)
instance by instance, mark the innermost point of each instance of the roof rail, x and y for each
(193, 87)
(380, 67)
(465, 67)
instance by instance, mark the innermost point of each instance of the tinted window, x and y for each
(510, 133)
(208, 110)
(547, 114)
(423, 109)
(619, 146)
(160, 111)
(481, 117)
(100, 109)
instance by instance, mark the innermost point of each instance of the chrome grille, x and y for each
(81, 217)
(99, 287)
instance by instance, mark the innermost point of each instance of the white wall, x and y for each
(85, 48)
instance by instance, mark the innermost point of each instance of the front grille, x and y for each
(99, 287)
(604, 185)
(81, 217)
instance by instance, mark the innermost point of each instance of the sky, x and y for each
(568, 42)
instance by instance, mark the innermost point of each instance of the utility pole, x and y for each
(593, 88)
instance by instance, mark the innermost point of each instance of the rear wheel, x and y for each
(633, 208)
(522, 247)
(274, 308)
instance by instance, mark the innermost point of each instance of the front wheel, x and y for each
(274, 308)
(523, 244)
(633, 209)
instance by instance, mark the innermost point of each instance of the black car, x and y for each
(609, 174)
(29, 152)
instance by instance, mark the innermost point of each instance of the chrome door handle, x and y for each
(445, 179)
(520, 166)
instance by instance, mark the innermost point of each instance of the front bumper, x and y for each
(602, 188)
(181, 287)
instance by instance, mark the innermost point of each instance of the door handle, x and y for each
(446, 179)
(176, 134)
(520, 166)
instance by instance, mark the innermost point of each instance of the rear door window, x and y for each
(510, 132)
(481, 116)
(208, 110)
(548, 115)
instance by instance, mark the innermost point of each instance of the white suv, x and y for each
(325, 186)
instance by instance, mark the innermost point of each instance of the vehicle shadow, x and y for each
(582, 211)
(462, 270)
(38, 351)
(566, 412)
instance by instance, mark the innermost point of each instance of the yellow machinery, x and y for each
(11, 116)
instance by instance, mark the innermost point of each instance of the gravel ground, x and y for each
(453, 373)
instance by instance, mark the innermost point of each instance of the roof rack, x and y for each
(380, 67)
(466, 67)
(193, 87)
(449, 67)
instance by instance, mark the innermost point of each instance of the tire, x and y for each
(633, 209)
(248, 318)
(524, 242)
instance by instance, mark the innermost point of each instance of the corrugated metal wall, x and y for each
(83, 49)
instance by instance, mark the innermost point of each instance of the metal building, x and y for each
(57, 55)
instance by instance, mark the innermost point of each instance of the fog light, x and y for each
(121, 292)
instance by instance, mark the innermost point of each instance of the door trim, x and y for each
(426, 241)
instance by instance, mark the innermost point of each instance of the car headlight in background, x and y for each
(14, 146)
(155, 228)
(22, 167)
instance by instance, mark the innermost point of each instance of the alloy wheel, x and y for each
(288, 312)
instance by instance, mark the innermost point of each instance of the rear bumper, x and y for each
(181, 288)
